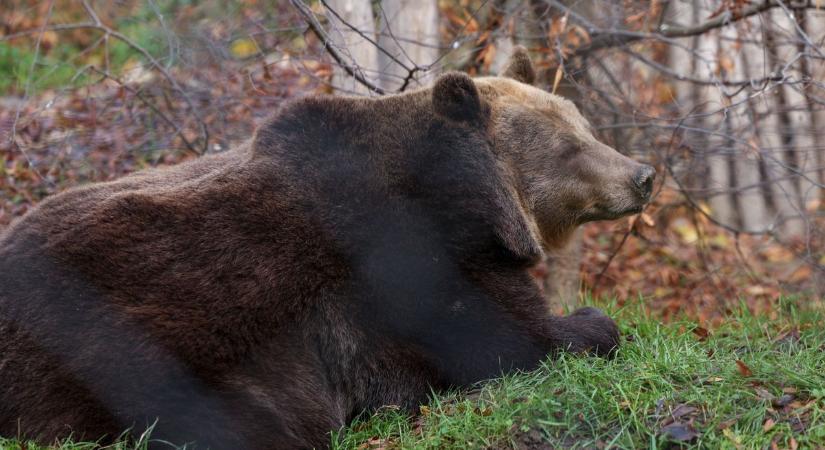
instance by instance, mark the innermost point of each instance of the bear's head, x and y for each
(560, 175)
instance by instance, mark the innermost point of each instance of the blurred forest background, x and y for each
(725, 97)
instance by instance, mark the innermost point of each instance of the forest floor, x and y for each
(749, 383)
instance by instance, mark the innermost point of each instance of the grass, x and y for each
(64, 61)
(751, 383)
(65, 66)
(754, 382)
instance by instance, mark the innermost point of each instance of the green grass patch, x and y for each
(753, 382)
(164, 29)
(66, 64)
(750, 383)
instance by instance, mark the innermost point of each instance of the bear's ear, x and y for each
(520, 67)
(456, 97)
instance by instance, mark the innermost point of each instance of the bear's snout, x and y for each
(643, 180)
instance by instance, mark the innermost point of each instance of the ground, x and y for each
(752, 382)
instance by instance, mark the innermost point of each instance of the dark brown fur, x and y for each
(356, 253)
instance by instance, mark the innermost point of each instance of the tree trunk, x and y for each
(356, 18)
(757, 171)
(409, 39)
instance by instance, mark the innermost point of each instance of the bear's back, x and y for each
(206, 258)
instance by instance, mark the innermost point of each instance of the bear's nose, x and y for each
(643, 179)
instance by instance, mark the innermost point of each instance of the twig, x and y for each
(612, 38)
(26, 93)
(410, 71)
(97, 24)
(150, 105)
(364, 36)
(777, 77)
(318, 30)
(799, 31)
(408, 78)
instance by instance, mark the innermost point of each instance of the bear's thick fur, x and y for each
(356, 253)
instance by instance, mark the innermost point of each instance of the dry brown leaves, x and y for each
(680, 262)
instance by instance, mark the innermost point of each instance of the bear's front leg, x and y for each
(586, 330)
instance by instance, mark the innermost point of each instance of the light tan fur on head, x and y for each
(561, 173)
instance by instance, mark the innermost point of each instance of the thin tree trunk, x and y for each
(814, 26)
(504, 41)
(410, 40)
(781, 157)
(748, 198)
(356, 18)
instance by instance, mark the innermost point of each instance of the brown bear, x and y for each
(355, 253)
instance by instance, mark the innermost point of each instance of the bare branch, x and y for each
(154, 63)
(318, 30)
(613, 38)
(139, 96)
(27, 91)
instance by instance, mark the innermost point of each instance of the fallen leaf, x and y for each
(798, 425)
(243, 48)
(797, 404)
(744, 370)
(48, 39)
(735, 438)
(768, 425)
(679, 432)
(756, 290)
(727, 423)
(660, 404)
(701, 332)
(787, 338)
(682, 410)
(783, 401)
(532, 438)
(376, 443)
(763, 394)
(687, 232)
(418, 425)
